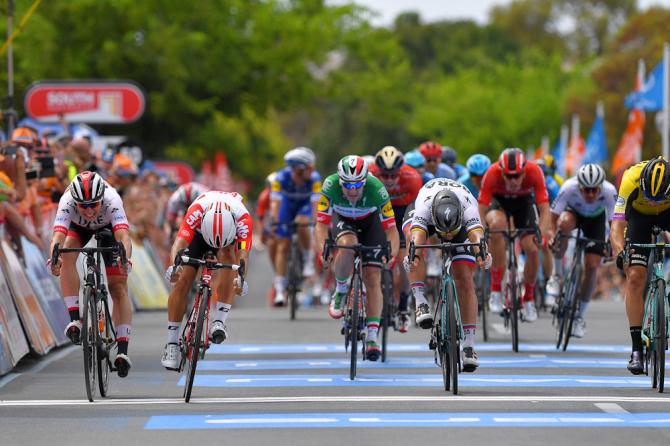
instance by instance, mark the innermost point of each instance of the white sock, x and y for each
(222, 311)
(173, 332)
(280, 284)
(342, 285)
(418, 290)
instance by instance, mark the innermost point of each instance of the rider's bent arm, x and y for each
(617, 232)
(123, 236)
(393, 237)
(58, 237)
(179, 244)
(545, 219)
(320, 236)
(482, 213)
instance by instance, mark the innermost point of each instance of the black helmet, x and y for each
(655, 179)
(447, 211)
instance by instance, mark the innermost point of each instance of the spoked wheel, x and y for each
(89, 341)
(510, 289)
(387, 311)
(294, 279)
(660, 336)
(195, 343)
(353, 330)
(292, 299)
(107, 337)
(484, 290)
(571, 311)
(453, 338)
(441, 345)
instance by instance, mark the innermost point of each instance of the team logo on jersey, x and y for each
(383, 194)
(193, 219)
(387, 210)
(324, 204)
(620, 201)
(242, 229)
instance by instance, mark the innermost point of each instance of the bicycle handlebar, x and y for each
(357, 248)
(448, 246)
(119, 248)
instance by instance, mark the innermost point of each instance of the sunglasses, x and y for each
(432, 160)
(590, 190)
(351, 186)
(512, 176)
(390, 176)
(88, 205)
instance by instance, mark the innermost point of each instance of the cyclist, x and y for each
(643, 202)
(550, 165)
(263, 221)
(432, 152)
(547, 256)
(477, 165)
(403, 184)
(513, 186)
(361, 212)
(447, 209)
(219, 222)
(415, 159)
(549, 180)
(88, 206)
(179, 202)
(585, 201)
(295, 193)
(449, 158)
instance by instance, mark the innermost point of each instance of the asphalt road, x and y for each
(286, 383)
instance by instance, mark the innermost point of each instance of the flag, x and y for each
(574, 154)
(650, 95)
(559, 156)
(596, 143)
(630, 147)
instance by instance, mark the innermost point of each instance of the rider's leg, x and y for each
(177, 301)
(589, 279)
(636, 277)
(123, 310)
(304, 238)
(496, 220)
(530, 268)
(463, 274)
(374, 300)
(566, 223)
(343, 264)
(69, 278)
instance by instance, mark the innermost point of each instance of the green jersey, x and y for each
(375, 198)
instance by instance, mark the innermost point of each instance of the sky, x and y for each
(432, 10)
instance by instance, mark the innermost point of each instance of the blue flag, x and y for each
(650, 97)
(559, 157)
(596, 143)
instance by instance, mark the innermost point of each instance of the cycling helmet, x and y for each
(415, 159)
(478, 164)
(369, 159)
(447, 211)
(190, 191)
(550, 162)
(430, 149)
(590, 175)
(218, 226)
(389, 159)
(512, 161)
(300, 156)
(352, 168)
(448, 156)
(655, 179)
(87, 187)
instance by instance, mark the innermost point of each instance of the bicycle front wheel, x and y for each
(106, 340)
(660, 336)
(571, 312)
(513, 308)
(89, 341)
(440, 335)
(483, 295)
(353, 330)
(196, 343)
(453, 337)
(294, 279)
(387, 310)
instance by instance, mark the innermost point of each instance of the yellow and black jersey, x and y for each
(631, 196)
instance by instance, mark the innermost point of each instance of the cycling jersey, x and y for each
(570, 198)
(112, 213)
(263, 203)
(283, 187)
(426, 176)
(444, 171)
(177, 204)
(493, 185)
(631, 196)
(375, 199)
(552, 188)
(423, 216)
(404, 191)
(466, 180)
(460, 170)
(190, 226)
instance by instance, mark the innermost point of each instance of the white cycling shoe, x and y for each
(171, 357)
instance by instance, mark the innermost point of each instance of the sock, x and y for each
(222, 311)
(496, 279)
(418, 291)
(173, 332)
(280, 284)
(583, 305)
(557, 268)
(529, 292)
(122, 335)
(72, 304)
(373, 328)
(636, 337)
(342, 285)
(404, 299)
(469, 332)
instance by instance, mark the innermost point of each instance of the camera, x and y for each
(9, 150)
(45, 168)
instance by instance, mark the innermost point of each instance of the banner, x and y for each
(36, 325)
(12, 339)
(630, 147)
(46, 290)
(596, 142)
(145, 283)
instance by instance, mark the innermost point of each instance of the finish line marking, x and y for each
(339, 399)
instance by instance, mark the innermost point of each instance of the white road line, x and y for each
(338, 399)
(610, 408)
(41, 365)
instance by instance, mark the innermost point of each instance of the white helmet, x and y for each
(590, 175)
(218, 226)
(300, 156)
(352, 169)
(190, 191)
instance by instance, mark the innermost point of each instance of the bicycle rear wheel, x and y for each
(387, 311)
(106, 341)
(660, 336)
(196, 342)
(483, 295)
(574, 303)
(294, 279)
(353, 330)
(513, 307)
(440, 330)
(453, 337)
(89, 342)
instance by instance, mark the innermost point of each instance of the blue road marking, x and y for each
(422, 380)
(427, 362)
(264, 349)
(432, 419)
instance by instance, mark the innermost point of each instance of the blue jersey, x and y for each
(444, 171)
(426, 176)
(466, 181)
(461, 171)
(552, 188)
(282, 187)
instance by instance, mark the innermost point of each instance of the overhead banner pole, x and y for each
(666, 101)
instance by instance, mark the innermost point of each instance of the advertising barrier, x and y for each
(145, 283)
(36, 325)
(13, 344)
(46, 290)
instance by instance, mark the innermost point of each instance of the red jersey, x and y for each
(493, 184)
(263, 203)
(406, 189)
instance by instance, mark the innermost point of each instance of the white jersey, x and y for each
(423, 217)
(569, 197)
(178, 204)
(112, 213)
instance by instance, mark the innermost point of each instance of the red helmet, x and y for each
(512, 161)
(430, 149)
